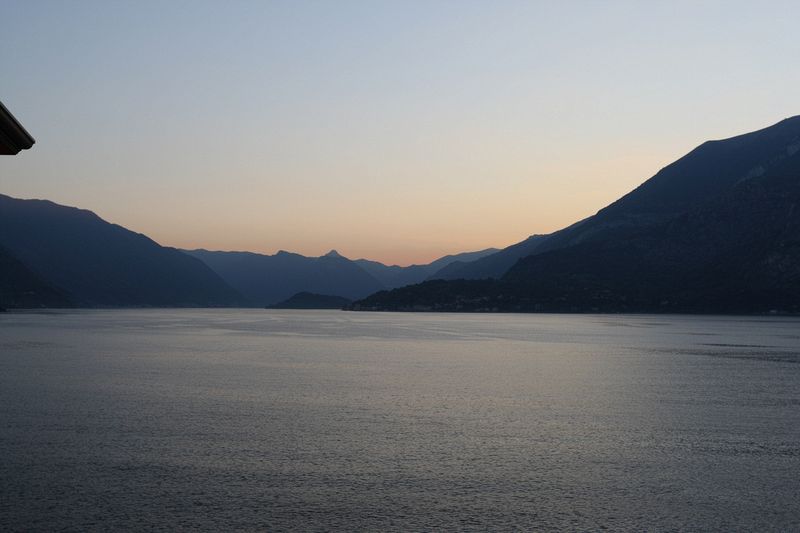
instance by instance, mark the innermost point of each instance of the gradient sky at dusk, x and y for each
(398, 131)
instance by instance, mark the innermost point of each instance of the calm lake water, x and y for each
(327, 420)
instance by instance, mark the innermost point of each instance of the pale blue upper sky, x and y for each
(399, 131)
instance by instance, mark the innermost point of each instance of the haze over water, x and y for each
(248, 419)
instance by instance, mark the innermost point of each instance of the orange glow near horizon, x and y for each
(394, 131)
(408, 227)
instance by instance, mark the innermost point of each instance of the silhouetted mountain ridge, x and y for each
(716, 231)
(57, 256)
(96, 263)
(492, 265)
(396, 276)
(706, 171)
(269, 279)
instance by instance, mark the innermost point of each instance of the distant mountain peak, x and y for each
(333, 253)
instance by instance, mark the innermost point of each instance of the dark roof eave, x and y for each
(13, 136)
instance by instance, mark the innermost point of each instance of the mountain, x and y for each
(268, 279)
(716, 231)
(95, 263)
(739, 252)
(491, 265)
(704, 173)
(308, 300)
(396, 276)
(20, 287)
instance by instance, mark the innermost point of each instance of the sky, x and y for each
(399, 131)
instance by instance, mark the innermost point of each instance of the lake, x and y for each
(327, 420)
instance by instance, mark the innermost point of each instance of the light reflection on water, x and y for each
(249, 419)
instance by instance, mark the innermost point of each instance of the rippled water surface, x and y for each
(268, 420)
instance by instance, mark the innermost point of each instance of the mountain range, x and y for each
(268, 279)
(89, 262)
(716, 231)
(396, 276)
(57, 256)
